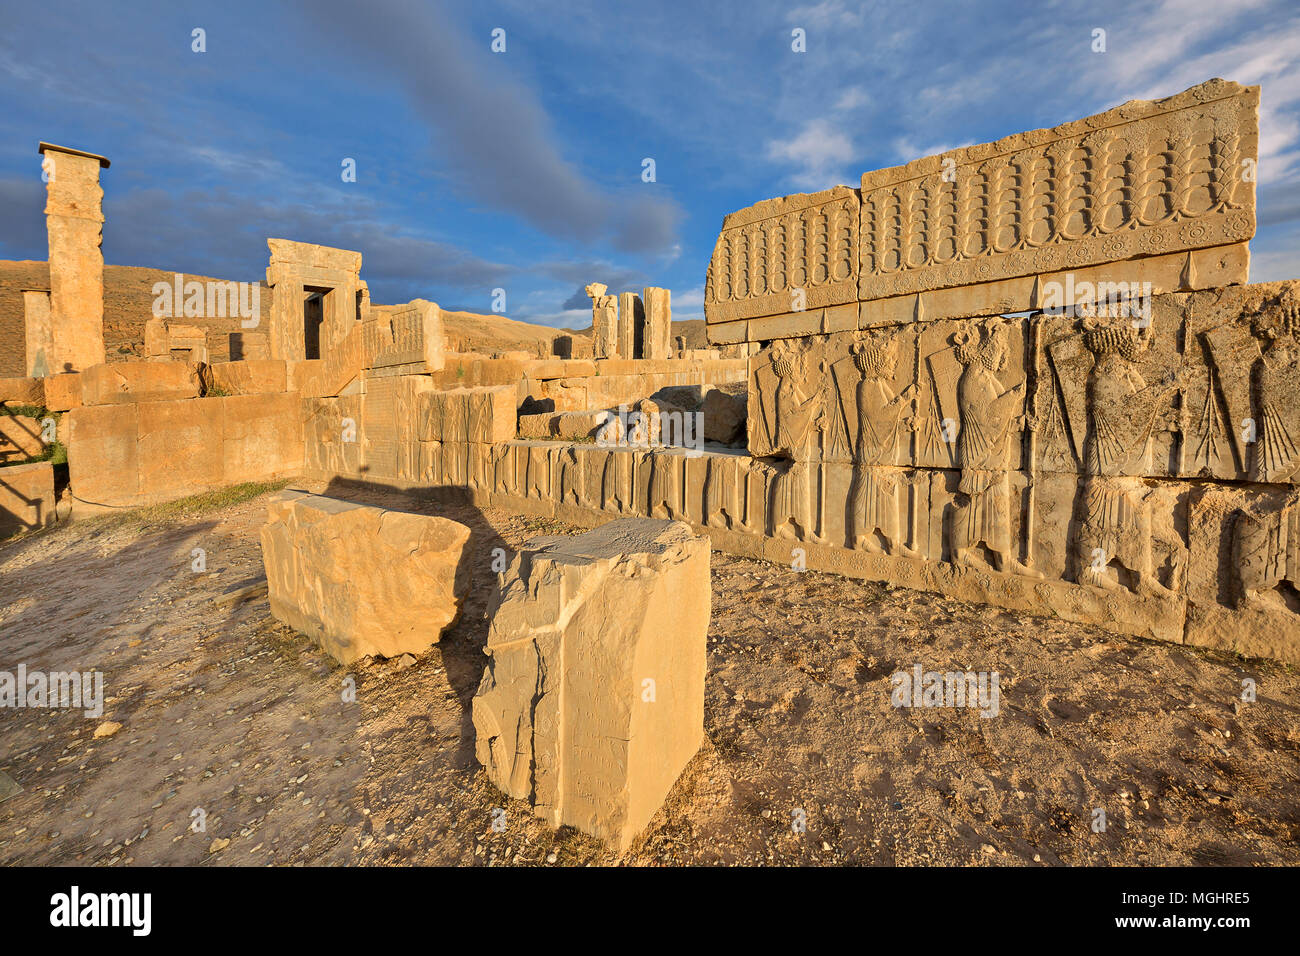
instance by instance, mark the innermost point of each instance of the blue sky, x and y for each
(523, 169)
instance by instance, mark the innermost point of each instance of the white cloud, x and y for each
(820, 150)
(852, 98)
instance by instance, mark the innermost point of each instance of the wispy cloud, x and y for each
(820, 152)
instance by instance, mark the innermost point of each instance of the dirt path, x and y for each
(227, 712)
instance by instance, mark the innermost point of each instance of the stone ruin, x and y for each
(631, 326)
(1028, 373)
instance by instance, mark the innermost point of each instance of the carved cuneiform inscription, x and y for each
(1145, 178)
(785, 255)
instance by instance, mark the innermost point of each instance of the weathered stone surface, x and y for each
(593, 700)
(62, 392)
(180, 447)
(1157, 193)
(26, 497)
(813, 238)
(1198, 199)
(250, 377)
(1243, 570)
(725, 411)
(468, 415)
(125, 455)
(298, 270)
(392, 414)
(361, 580)
(74, 220)
(631, 326)
(173, 342)
(658, 323)
(21, 391)
(261, 437)
(305, 376)
(123, 382)
(410, 336)
(20, 438)
(38, 332)
(332, 436)
(248, 346)
(596, 423)
(604, 324)
(103, 455)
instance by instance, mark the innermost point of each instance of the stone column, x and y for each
(631, 321)
(36, 323)
(604, 322)
(74, 219)
(658, 322)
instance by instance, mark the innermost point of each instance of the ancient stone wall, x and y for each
(1161, 192)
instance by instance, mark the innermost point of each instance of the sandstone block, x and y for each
(262, 437)
(725, 413)
(248, 346)
(361, 580)
(593, 699)
(305, 376)
(26, 497)
(250, 377)
(103, 455)
(332, 437)
(122, 382)
(21, 391)
(63, 392)
(180, 448)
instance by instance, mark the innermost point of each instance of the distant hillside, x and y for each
(471, 332)
(693, 329)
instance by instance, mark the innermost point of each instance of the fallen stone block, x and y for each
(21, 391)
(361, 580)
(726, 410)
(127, 382)
(539, 425)
(592, 702)
(26, 497)
(63, 391)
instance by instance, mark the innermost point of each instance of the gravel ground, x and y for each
(230, 720)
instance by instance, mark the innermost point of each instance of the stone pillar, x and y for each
(604, 322)
(631, 320)
(74, 219)
(36, 323)
(658, 322)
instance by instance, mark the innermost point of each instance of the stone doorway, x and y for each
(314, 310)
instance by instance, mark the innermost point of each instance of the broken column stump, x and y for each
(593, 700)
(361, 580)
